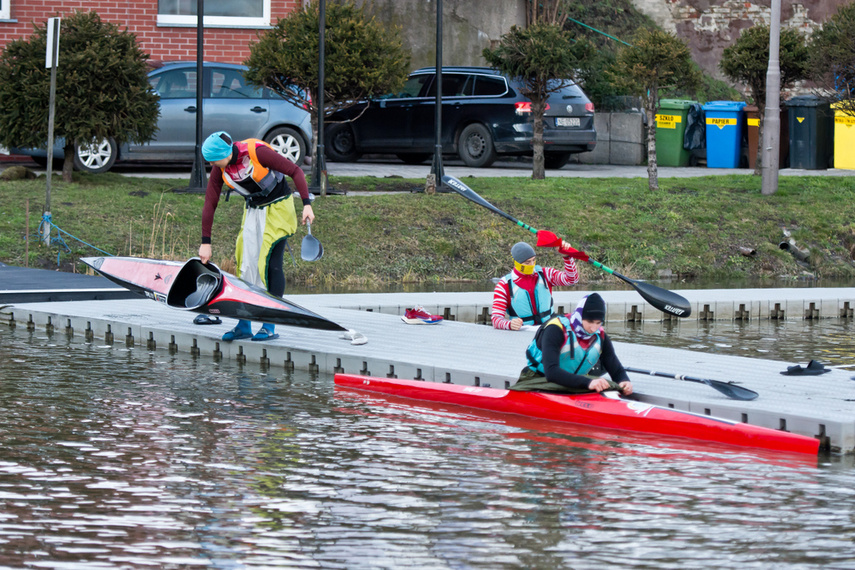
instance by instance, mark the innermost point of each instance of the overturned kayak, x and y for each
(205, 288)
(606, 410)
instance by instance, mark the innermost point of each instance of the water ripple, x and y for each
(116, 458)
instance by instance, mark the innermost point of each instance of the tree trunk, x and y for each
(67, 163)
(538, 171)
(652, 169)
(761, 113)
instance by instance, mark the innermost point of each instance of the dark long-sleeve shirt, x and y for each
(268, 158)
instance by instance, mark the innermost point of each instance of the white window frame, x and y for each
(5, 10)
(217, 21)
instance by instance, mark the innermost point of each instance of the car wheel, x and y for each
(288, 143)
(555, 160)
(475, 146)
(96, 157)
(341, 143)
(413, 157)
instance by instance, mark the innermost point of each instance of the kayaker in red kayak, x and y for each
(568, 348)
(525, 294)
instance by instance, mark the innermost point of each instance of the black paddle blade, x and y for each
(728, 389)
(663, 299)
(731, 390)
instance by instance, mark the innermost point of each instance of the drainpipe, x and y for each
(797, 252)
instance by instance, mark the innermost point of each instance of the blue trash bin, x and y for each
(724, 122)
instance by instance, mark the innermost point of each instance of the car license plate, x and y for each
(568, 122)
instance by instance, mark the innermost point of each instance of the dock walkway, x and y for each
(461, 351)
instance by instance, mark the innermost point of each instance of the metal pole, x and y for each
(198, 180)
(52, 61)
(772, 115)
(436, 168)
(319, 168)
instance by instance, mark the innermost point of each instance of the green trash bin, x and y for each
(670, 128)
(811, 132)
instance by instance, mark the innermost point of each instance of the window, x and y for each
(230, 83)
(490, 86)
(5, 12)
(177, 84)
(412, 88)
(222, 14)
(453, 85)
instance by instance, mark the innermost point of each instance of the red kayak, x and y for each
(606, 410)
(205, 288)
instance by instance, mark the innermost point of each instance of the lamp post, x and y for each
(319, 167)
(436, 167)
(772, 114)
(198, 179)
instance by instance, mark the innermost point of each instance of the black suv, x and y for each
(483, 116)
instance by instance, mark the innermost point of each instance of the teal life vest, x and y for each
(519, 305)
(574, 358)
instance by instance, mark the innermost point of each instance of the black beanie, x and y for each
(594, 309)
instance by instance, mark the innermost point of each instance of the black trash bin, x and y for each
(811, 126)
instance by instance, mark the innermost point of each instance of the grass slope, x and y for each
(692, 228)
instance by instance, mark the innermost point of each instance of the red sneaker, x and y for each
(418, 316)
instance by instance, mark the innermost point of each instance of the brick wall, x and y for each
(166, 43)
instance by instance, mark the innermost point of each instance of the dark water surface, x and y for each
(124, 458)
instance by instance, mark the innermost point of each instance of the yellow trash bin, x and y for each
(844, 139)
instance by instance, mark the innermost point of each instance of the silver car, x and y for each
(230, 104)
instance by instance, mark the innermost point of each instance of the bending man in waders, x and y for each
(568, 347)
(256, 172)
(525, 294)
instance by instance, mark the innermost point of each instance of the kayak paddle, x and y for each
(664, 300)
(727, 388)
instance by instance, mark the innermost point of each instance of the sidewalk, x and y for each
(390, 167)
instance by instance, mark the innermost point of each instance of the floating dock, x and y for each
(462, 351)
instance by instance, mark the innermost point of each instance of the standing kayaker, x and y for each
(568, 348)
(524, 296)
(254, 170)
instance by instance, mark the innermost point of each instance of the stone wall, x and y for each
(709, 26)
(468, 27)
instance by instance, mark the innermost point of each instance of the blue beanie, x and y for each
(217, 146)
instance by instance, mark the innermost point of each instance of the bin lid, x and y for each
(724, 106)
(806, 101)
(676, 103)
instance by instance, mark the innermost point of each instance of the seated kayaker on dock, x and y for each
(525, 294)
(568, 347)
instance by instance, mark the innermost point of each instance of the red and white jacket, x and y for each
(502, 294)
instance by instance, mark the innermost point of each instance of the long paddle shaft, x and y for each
(664, 300)
(728, 389)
